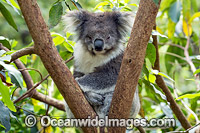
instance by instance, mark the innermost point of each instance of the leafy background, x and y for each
(177, 21)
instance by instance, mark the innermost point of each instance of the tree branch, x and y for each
(133, 61)
(189, 61)
(34, 70)
(175, 45)
(22, 52)
(29, 83)
(54, 64)
(160, 82)
(29, 92)
(37, 95)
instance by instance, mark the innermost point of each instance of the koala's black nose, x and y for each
(98, 44)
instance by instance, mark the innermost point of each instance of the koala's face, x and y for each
(100, 33)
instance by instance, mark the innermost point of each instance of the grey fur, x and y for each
(99, 78)
(96, 71)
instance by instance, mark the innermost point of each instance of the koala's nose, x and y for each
(98, 44)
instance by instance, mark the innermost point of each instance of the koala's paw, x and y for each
(94, 99)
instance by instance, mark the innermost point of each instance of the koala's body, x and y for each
(98, 55)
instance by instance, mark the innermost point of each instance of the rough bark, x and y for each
(43, 46)
(133, 61)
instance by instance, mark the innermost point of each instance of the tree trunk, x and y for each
(132, 62)
(54, 64)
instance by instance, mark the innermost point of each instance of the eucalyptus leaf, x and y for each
(58, 40)
(2, 126)
(13, 116)
(194, 5)
(152, 78)
(5, 58)
(5, 116)
(7, 15)
(145, 70)
(14, 72)
(5, 42)
(186, 9)
(55, 14)
(69, 46)
(166, 109)
(6, 96)
(14, 5)
(101, 4)
(133, 5)
(2, 52)
(166, 76)
(197, 71)
(190, 96)
(156, 72)
(195, 57)
(175, 11)
(158, 92)
(158, 34)
(76, 4)
(151, 53)
(196, 15)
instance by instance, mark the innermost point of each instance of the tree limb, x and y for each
(160, 82)
(22, 52)
(19, 53)
(41, 97)
(189, 61)
(29, 92)
(175, 45)
(29, 84)
(54, 64)
(133, 61)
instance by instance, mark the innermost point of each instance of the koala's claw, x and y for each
(94, 99)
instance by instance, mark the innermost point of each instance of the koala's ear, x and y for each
(73, 20)
(124, 22)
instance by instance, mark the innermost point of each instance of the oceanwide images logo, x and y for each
(46, 121)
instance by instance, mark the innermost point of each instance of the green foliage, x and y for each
(76, 4)
(6, 96)
(190, 96)
(14, 5)
(14, 73)
(55, 14)
(4, 117)
(156, 1)
(8, 16)
(175, 11)
(196, 15)
(151, 53)
(115, 5)
(5, 42)
(196, 72)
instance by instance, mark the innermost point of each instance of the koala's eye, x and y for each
(89, 38)
(108, 37)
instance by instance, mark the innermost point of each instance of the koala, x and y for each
(98, 54)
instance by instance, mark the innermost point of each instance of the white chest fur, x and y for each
(86, 63)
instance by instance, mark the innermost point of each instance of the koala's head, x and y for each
(100, 33)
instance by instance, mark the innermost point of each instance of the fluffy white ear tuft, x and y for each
(73, 20)
(125, 22)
